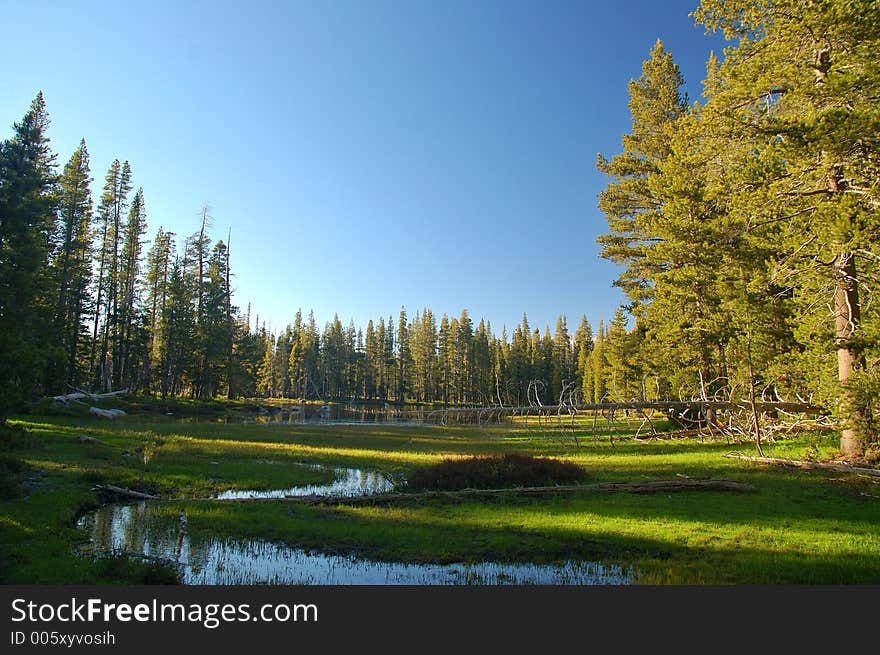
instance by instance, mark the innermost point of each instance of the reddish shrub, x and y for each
(494, 472)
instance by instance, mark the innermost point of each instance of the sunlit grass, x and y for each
(798, 527)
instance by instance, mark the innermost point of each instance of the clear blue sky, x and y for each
(365, 154)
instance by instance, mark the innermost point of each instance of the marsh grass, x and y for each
(798, 527)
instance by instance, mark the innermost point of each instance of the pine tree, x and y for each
(159, 261)
(215, 314)
(27, 223)
(179, 323)
(404, 356)
(444, 348)
(620, 355)
(370, 356)
(800, 89)
(562, 366)
(598, 366)
(114, 202)
(482, 364)
(72, 261)
(629, 205)
(129, 292)
(464, 357)
(266, 382)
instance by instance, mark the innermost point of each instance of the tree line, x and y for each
(86, 301)
(426, 360)
(747, 224)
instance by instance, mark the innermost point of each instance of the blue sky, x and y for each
(365, 154)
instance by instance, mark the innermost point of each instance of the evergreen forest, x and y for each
(745, 224)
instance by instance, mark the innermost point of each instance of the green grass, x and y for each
(797, 527)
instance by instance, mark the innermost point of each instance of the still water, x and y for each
(139, 529)
(348, 482)
(348, 414)
(143, 529)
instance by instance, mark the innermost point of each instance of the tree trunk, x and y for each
(230, 362)
(846, 310)
(819, 466)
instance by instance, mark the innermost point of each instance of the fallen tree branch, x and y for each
(678, 434)
(792, 463)
(650, 486)
(80, 394)
(126, 492)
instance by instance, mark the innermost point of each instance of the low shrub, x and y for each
(10, 476)
(13, 437)
(494, 472)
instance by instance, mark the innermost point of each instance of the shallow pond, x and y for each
(140, 530)
(144, 530)
(341, 414)
(348, 482)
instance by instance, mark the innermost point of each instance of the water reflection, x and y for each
(350, 414)
(348, 482)
(141, 529)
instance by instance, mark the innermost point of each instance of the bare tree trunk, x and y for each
(847, 318)
(101, 266)
(199, 384)
(114, 296)
(230, 372)
(752, 401)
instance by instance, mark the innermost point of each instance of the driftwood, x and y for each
(678, 434)
(792, 463)
(126, 492)
(79, 394)
(651, 486)
(659, 405)
(110, 414)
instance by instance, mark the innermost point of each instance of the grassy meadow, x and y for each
(796, 527)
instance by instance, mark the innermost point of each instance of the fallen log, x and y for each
(793, 463)
(110, 414)
(79, 394)
(70, 396)
(677, 434)
(126, 492)
(649, 486)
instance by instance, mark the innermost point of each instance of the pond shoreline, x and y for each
(135, 530)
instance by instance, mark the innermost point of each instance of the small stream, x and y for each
(142, 529)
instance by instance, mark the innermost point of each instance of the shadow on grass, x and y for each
(417, 535)
(798, 527)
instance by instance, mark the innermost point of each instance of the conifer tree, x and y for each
(266, 382)
(404, 355)
(114, 202)
(583, 346)
(129, 278)
(444, 348)
(159, 261)
(72, 261)
(562, 364)
(598, 366)
(800, 87)
(629, 205)
(27, 223)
